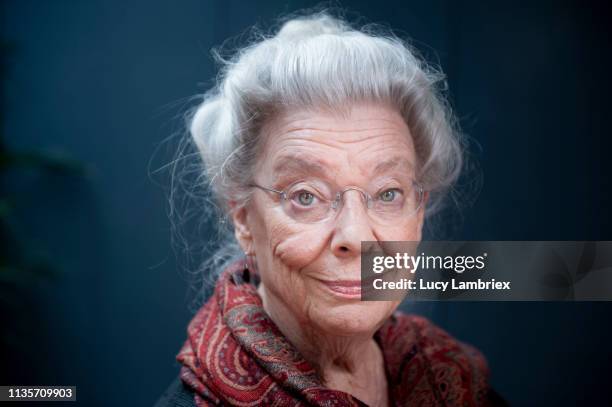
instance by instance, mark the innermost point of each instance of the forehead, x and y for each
(366, 139)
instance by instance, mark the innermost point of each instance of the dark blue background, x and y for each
(102, 80)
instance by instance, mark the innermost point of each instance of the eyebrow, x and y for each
(393, 163)
(296, 164)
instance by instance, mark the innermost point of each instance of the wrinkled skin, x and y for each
(295, 259)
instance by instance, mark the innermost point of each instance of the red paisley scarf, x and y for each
(236, 355)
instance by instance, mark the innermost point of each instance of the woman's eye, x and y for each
(389, 195)
(305, 198)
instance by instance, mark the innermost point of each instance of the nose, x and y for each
(352, 226)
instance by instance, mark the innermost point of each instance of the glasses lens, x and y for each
(393, 204)
(307, 203)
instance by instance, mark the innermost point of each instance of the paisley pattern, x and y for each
(236, 355)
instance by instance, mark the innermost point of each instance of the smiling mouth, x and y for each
(344, 288)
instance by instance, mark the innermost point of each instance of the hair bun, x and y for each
(307, 27)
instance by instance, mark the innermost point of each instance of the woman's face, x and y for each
(304, 266)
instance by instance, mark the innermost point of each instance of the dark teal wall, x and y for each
(102, 80)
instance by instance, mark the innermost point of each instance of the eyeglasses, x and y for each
(315, 202)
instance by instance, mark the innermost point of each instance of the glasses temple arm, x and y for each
(253, 185)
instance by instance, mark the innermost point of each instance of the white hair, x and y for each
(318, 61)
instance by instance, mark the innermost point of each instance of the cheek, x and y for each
(296, 246)
(406, 231)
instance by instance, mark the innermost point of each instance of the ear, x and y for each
(239, 214)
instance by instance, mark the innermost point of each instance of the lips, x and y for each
(345, 288)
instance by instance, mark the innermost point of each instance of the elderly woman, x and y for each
(314, 140)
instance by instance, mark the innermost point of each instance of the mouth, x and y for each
(350, 289)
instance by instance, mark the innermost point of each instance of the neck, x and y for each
(347, 363)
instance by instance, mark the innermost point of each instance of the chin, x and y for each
(353, 318)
